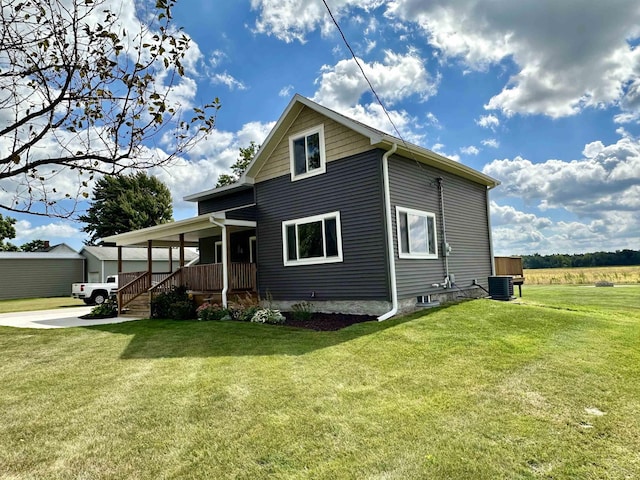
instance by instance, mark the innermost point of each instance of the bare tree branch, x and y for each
(82, 90)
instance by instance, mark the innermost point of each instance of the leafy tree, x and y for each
(83, 92)
(124, 203)
(33, 246)
(595, 259)
(7, 232)
(238, 168)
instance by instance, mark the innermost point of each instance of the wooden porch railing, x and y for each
(133, 289)
(242, 276)
(199, 278)
(209, 278)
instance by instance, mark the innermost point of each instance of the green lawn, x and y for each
(546, 388)
(28, 304)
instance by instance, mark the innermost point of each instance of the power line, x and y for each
(375, 94)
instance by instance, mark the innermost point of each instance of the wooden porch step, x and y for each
(138, 307)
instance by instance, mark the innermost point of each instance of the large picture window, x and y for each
(306, 151)
(416, 233)
(312, 240)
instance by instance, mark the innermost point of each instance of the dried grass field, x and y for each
(582, 276)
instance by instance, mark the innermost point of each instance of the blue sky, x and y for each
(540, 94)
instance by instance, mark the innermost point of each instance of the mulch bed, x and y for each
(327, 321)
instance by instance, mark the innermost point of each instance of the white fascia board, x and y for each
(195, 197)
(428, 157)
(159, 231)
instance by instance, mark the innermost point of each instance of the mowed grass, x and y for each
(583, 275)
(546, 388)
(28, 304)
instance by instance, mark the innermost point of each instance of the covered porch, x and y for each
(227, 263)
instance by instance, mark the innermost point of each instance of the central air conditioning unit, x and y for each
(501, 287)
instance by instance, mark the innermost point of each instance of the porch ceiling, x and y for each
(168, 234)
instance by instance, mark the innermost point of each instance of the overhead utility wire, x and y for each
(375, 94)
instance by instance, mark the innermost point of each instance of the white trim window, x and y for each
(416, 233)
(306, 153)
(312, 240)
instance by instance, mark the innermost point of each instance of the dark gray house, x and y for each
(342, 215)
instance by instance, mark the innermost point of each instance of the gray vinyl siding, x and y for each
(414, 185)
(39, 277)
(352, 186)
(248, 213)
(232, 199)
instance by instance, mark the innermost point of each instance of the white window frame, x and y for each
(323, 160)
(420, 213)
(314, 260)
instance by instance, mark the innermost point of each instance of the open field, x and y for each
(28, 304)
(582, 276)
(546, 387)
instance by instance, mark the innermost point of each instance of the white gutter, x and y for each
(392, 259)
(225, 267)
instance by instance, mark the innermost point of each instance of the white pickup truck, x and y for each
(95, 293)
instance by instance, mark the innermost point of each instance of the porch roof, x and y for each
(168, 234)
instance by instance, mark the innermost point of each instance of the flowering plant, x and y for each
(211, 311)
(268, 315)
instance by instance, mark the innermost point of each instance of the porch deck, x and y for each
(207, 279)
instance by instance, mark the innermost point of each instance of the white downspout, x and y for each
(493, 263)
(445, 244)
(225, 268)
(392, 259)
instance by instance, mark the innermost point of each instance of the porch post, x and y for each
(225, 256)
(118, 294)
(181, 250)
(170, 260)
(225, 264)
(149, 259)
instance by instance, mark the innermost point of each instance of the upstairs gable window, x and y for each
(306, 152)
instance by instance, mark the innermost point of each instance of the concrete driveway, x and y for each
(58, 318)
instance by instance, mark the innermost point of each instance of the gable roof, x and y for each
(135, 254)
(59, 248)
(377, 138)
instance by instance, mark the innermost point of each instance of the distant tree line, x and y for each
(597, 259)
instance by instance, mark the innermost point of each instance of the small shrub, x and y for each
(302, 311)
(244, 308)
(105, 310)
(161, 305)
(247, 314)
(268, 315)
(182, 310)
(212, 311)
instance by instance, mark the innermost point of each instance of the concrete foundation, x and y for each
(377, 308)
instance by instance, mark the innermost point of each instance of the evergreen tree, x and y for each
(238, 168)
(124, 203)
(33, 246)
(7, 232)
